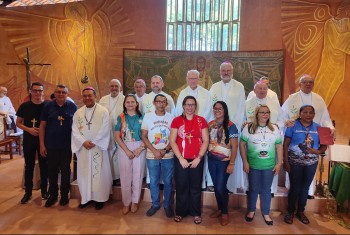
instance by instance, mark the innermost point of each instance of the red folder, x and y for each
(325, 136)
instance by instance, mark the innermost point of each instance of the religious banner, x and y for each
(172, 66)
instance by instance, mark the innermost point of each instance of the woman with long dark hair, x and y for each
(301, 149)
(261, 151)
(222, 151)
(131, 154)
(189, 140)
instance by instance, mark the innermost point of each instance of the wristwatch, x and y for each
(166, 150)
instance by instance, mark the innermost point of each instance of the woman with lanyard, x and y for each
(189, 140)
(131, 154)
(260, 143)
(222, 151)
(301, 149)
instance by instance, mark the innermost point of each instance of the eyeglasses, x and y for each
(190, 105)
(307, 82)
(160, 101)
(60, 92)
(34, 90)
(263, 113)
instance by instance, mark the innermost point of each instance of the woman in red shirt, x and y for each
(189, 139)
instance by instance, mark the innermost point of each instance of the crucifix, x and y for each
(60, 118)
(89, 123)
(189, 137)
(27, 64)
(33, 121)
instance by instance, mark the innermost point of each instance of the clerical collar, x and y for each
(305, 98)
(193, 92)
(91, 107)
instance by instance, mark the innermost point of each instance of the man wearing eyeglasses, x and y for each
(305, 96)
(55, 143)
(28, 119)
(160, 159)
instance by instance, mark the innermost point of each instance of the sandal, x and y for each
(197, 220)
(288, 218)
(177, 218)
(302, 217)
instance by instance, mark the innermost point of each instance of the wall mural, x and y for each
(172, 66)
(70, 38)
(318, 42)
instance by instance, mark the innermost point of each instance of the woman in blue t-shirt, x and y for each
(300, 152)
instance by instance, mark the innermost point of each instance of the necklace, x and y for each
(302, 100)
(89, 122)
(189, 135)
(131, 127)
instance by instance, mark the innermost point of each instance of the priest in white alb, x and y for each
(114, 104)
(232, 93)
(277, 116)
(305, 96)
(204, 109)
(90, 140)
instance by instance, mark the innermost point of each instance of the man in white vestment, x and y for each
(140, 90)
(270, 93)
(305, 96)
(157, 85)
(8, 111)
(114, 104)
(277, 115)
(90, 141)
(204, 109)
(232, 93)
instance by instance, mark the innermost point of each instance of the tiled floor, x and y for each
(34, 218)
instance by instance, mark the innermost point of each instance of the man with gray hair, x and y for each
(140, 91)
(157, 85)
(7, 110)
(114, 104)
(204, 109)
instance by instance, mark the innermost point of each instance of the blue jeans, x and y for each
(219, 176)
(155, 167)
(300, 179)
(260, 183)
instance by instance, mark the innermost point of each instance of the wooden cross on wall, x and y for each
(27, 64)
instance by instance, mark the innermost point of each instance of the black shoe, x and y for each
(310, 197)
(169, 212)
(249, 219)
(267, 222)
(45, 196)
(116, 182)
(26, 198)
(161, 186)
(81, 206)
(99, 205)
(272, 195)
(64, 200)
(211, 188)
(148, 186)
(151, 211)
(52, 200)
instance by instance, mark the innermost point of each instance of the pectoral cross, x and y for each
(132, 133)
(60, 118)
(89, 123)
(189, 137)
(34, 121)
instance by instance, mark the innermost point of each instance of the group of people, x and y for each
(213, 137)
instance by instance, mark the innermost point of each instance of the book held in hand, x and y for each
(325, 136)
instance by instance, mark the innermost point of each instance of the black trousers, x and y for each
(29, 151)
(188, 184)
(59, 160)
